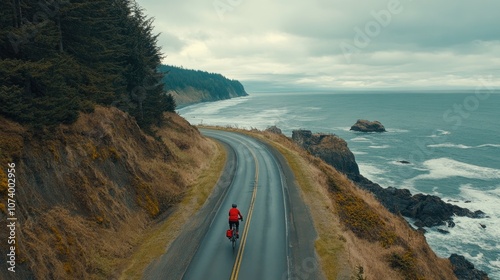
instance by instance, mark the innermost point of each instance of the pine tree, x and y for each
(58, 58)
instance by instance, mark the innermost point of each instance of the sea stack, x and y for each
(368, 126)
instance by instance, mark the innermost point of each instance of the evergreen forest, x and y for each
(59, 58)
(216, 85)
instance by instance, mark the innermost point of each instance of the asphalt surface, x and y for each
(276, 236)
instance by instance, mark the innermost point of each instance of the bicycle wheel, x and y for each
(233, 237)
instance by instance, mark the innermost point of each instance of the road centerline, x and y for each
(241, 249)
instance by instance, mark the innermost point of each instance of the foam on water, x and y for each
(449, 145)
(215, 107)
(461, 146)
(360, 139)
(375, 174)
(489, 145)
(441, 168)
(440, 133)
(342, 128)
(468, 237)
(380, 147)
(396, 130)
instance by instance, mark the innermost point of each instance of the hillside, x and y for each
(88, 193)
(193, 86)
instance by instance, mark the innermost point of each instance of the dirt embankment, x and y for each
(86, 192)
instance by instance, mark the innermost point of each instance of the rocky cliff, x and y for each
(426, 210)
(330, 148)
(87, 191)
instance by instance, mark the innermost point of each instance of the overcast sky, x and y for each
(334, 44)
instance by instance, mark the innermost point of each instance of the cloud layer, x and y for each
(334, 44)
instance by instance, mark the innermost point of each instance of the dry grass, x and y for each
(158, 238)
(97, 186)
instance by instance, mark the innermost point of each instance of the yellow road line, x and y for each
(237, 263)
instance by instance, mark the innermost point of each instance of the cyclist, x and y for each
(234, 217)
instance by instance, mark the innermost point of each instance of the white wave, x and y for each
(440, 132)
(369, 169)
(375, 174)
(444, 132)
(489, 145)
(495, 263)
(461, 146)
(449, 145)
(396, 130)
(212, 108)
(359, 153)
(360, 139)
(313, 108)
(380, 147)
(343, 128)
(442, 168)
(476, 239)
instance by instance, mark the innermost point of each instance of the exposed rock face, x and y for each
(274, 129)
(426, 210)
(330, 148)
(368, 126)
(464, 270)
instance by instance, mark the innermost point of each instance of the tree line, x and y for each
(59, 58)
(218, 86)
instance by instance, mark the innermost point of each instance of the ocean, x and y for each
(451, 139)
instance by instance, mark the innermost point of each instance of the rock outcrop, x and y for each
(274, 129)
(330, 148)
(368, 126)
(426, 210)
(465, 270)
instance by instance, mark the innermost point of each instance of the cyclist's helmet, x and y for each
(234, 205)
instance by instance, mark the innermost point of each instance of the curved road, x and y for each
(269, 246)
(257, 188)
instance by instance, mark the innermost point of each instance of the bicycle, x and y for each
(233, 236)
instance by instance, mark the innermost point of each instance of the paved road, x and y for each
(257, 188)
(276, 237)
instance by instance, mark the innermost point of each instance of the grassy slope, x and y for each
(91, 191)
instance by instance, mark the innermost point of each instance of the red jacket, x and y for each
(234, 215)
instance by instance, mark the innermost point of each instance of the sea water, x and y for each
(450, 139)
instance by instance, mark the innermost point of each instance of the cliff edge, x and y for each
(425, 210)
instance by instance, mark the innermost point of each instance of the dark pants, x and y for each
(237, 223)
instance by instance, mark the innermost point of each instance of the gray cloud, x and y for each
(334, 43)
